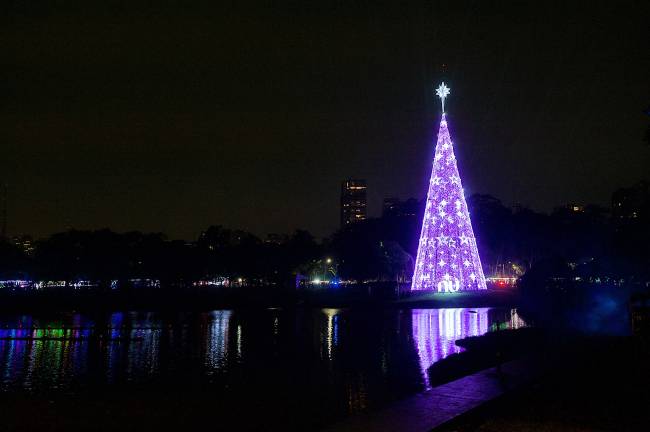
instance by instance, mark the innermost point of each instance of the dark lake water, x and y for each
(326, 363)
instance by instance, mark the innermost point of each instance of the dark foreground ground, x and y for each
(586, 384)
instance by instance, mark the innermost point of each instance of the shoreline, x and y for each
(161, 300)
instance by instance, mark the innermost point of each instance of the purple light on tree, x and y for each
(447, 259)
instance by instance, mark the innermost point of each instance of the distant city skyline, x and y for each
(622, 202)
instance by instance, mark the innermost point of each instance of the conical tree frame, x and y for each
(447, 259)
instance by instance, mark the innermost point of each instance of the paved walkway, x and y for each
(425, 411)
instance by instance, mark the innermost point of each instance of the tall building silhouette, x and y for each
(353, 201)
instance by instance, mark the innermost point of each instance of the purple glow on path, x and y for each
(447, 259)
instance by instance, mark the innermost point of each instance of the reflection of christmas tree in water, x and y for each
(435, 332)
(447, 259)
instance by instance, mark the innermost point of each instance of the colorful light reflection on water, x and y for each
(350, 358)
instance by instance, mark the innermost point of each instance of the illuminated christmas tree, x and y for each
(447, 259)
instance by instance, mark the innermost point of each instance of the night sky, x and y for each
(175, 118)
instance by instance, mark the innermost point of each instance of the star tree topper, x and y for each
(443, 91)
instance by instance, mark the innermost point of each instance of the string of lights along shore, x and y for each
(447, 259)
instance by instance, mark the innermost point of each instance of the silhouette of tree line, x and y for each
(381, 249)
